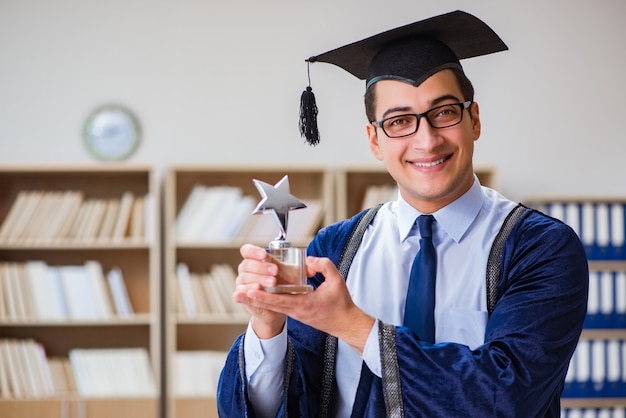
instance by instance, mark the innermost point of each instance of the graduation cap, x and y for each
(409, 53)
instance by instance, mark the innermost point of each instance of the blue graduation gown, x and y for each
(518, 372)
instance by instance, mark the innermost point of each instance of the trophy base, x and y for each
(289, 289)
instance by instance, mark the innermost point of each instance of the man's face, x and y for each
(432, 167)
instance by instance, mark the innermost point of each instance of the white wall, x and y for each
(220, 82)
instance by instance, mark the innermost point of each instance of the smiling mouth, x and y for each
(432, 163)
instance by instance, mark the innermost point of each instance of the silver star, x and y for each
(278, 201)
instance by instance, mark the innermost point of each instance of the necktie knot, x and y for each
(425, 225)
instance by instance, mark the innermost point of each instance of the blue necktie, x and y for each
(419, 313)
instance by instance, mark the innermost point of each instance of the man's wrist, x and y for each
(356, 332)
(264, 330)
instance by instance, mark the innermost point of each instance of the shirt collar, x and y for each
(455, 218)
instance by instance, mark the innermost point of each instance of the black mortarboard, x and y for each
(410, 53)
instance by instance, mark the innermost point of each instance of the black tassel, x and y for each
(308, 117)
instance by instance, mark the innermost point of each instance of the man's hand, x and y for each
(329, 308)
(254, 273)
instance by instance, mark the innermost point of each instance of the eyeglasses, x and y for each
(437, 117)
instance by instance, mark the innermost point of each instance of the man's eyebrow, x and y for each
(396, 109)
(433, 103)
(441, 99)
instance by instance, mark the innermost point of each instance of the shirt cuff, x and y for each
(371, 351)
(264, 355)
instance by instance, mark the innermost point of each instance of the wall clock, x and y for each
(112, 133)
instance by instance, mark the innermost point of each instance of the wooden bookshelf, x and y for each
(210, 331)
(137, 256)
(352, 184)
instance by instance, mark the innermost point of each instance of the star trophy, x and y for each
(291, 261)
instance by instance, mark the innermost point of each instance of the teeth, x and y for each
(431, 164)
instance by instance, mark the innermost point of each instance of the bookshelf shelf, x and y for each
(84, 224)
(215, 332)
(135, 320)
(215, 319)
(77, 246)
(74, 407)
(593, 402)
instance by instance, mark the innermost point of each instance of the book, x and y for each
(43, 368)
(149, 217)
(42, 291)
(27, 300)
(17, 287)
(94, 220)
(196, 373)
(117, 286)
(199, 298)
(11, 356)
(217, 214)
(24, 216)
(137, 219)
(593, 300)
(202, 214)
(183, 275)
(28, 361)
(572, 216)
(85, 218)
(188, 212)
(15, 211)
(3, 295)
(79, 293)
(218, 306)
(607, 290)
(78, 223)
(613, 360)
(618, 231)
(120, 229)
(224, 277)
(112, 372)
(51, 217)
(57, 295)
(602, 238)
(73, 202)
(620, 301)
(60, 383)
(5, 388)
(7, 287)
(108, 222)
(229, 277)
(239, 217)
(99, 289)
(39, 217)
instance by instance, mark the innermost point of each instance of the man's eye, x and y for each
(399, 121)
(446, 112)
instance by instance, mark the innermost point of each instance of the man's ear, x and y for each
(475, 114)
(372, 135)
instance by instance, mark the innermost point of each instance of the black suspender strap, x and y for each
(493, 263)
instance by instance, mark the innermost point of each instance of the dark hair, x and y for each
(467, 90)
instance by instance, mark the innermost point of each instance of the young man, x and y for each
(358, 345)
